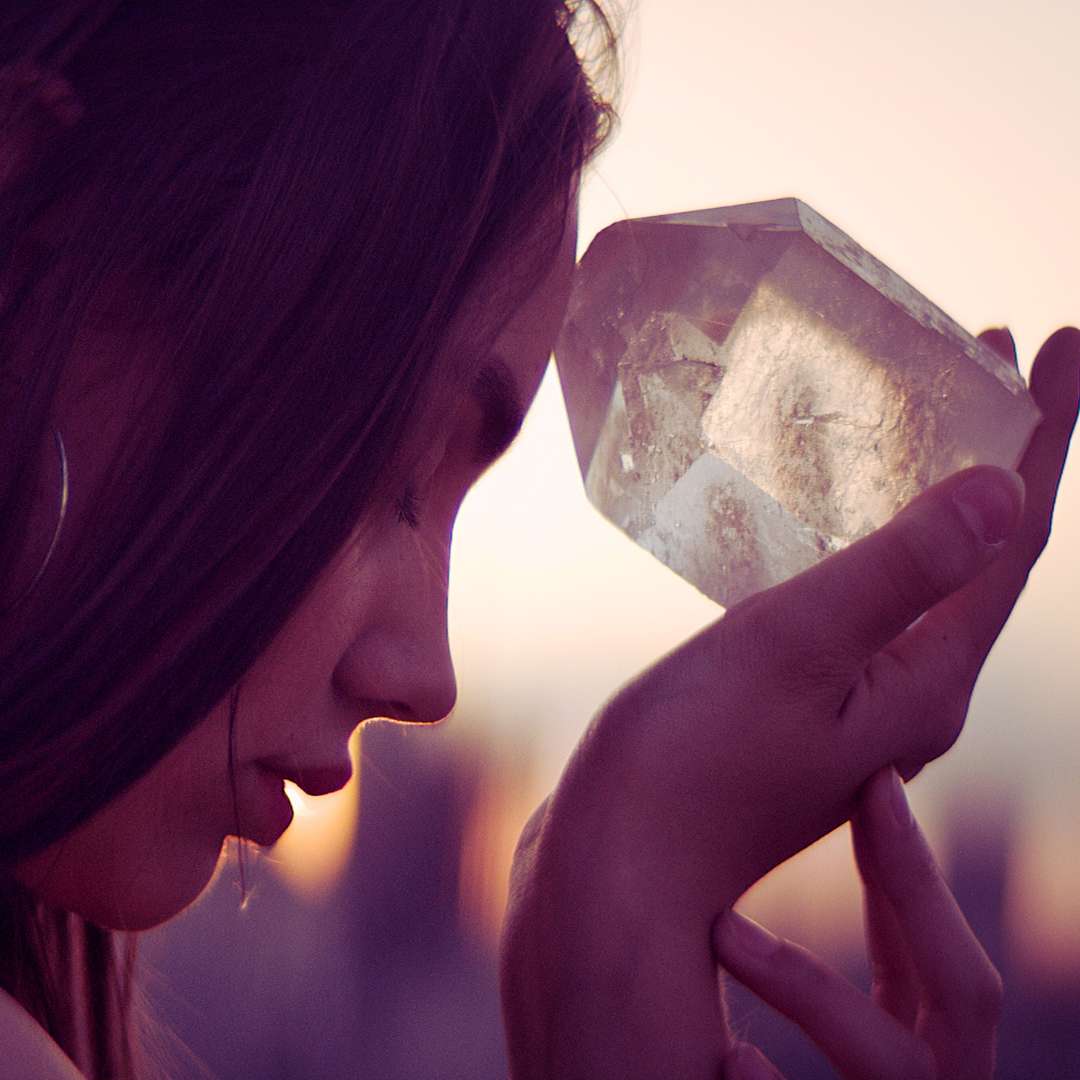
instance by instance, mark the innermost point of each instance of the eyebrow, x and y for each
(495, 390)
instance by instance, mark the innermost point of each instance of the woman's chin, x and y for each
(147, 898)
(158, 896)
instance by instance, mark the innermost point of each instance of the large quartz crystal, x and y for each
(749, 390)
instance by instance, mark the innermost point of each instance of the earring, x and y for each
(61, 514)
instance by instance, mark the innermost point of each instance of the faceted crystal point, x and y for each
(749, 391)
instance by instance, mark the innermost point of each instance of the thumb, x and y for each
(849, 606)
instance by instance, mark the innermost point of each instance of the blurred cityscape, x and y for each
(389, 973)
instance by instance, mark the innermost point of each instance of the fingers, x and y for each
(746, 1062)
(1001, 340)
(943, 654)
(938, 997)
(895, 982)
(1055, 385)
(861, 1040)
(920, 942)
(842, 611)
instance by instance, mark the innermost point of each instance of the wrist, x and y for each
(603, 967)
(621, 822)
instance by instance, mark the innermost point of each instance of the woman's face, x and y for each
(369, 640)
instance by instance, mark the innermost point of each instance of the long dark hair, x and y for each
(291, 202)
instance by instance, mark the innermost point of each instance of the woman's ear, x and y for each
(35, 102)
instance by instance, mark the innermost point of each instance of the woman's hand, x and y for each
(936, 997)
(746, 744)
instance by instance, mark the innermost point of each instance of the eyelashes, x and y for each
(408, 507)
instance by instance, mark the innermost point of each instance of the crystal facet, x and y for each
(749, 390)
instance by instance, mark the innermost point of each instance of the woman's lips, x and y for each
(269, 813)
(312, 779)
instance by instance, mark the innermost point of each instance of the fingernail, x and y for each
(737, 932)
(1008, 345)
(991, 507)
(901, 809)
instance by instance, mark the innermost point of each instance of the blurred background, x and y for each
(943, 138)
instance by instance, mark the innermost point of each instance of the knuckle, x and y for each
(803, 664)
(926, 564)
(987, 996)
(941, 726)
(816, 672)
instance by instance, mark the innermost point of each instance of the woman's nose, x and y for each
(398, 664)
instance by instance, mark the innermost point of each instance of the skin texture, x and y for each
(369, 640)
(739, 748)
(936, 997)
(746, 744)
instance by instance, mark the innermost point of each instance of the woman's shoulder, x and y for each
(26, 1050)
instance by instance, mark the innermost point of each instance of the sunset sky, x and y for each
(944, 139)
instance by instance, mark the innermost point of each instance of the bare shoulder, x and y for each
(26, 1049)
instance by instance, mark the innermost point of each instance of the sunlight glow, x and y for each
(303, 804)
(814, 898)
(955, 176)
(1044, 897)
(316, 846)
(506, 795)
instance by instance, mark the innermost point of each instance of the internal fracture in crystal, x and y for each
(749, 390)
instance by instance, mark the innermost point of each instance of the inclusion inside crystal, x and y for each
(749, 391)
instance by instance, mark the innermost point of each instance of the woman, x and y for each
(279, 282)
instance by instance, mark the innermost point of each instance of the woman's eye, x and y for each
(408, 508)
